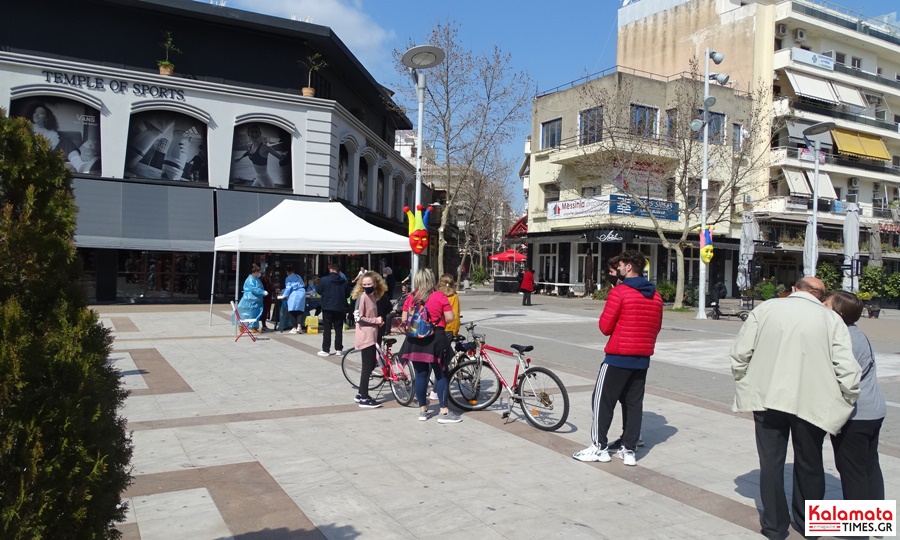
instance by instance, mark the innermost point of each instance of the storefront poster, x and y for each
(165, 145)
(261, 156)
(71, 127)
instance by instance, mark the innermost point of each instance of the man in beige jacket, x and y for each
(794, 369)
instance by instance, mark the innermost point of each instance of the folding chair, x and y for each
(243, 323)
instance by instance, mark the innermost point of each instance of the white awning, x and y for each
(796, 182)
(826, 189)
(849, 95)
(812, 87)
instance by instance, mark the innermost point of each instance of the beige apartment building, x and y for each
(598, 143)
(821, 63)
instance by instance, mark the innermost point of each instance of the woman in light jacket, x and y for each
(251, 304)
(366, 294)
(856, 445)
(295, 297)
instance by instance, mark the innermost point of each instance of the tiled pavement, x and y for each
(262, 440)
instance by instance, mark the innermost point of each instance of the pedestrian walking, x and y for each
(366, 293)
(333, 292)
(856, 445)
(794, 370)
(632, 317)
(428, 310)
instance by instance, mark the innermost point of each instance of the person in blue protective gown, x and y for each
(251, 304)
(295, 297)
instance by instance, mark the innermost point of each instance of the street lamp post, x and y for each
(816, 147)
(696, 125)
(416, 59)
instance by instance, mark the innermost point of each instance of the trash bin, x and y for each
(507, 284)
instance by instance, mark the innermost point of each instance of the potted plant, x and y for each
(313, 63)
(165, 66)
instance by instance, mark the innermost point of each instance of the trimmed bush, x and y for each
(830, 275)
(666, 290)
(64, 451)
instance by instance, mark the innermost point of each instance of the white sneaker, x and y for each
(324, 353)
(627, 457)
(339, 353)
(293, 330)
(433, 396)
(593, 453)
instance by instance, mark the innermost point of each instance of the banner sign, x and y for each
(811, 58)
(610, 205)
(622, 204)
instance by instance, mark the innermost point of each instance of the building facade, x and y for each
(821, 63)
(164, 164)
(595, 145)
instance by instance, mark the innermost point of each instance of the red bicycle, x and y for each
(394, 369)
(476, 384)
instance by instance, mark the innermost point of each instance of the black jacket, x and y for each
(334, 291)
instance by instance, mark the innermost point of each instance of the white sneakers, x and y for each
(324, 353)
(627, 457)
(595, 453)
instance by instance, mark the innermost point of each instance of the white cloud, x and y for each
(363, 36)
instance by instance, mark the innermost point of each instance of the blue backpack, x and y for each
(418, 323)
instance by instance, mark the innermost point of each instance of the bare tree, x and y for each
(655, 163)
(476, 103)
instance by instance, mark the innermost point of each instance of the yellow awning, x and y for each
(861, 145)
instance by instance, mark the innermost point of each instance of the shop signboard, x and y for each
(624, 205)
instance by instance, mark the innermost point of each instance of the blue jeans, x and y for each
(440, 382)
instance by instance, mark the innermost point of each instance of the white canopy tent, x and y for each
(307, 227)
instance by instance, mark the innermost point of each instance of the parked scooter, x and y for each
(720, 291)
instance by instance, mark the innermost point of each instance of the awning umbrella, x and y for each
(810, 249)
(851, 247)
(749, 233)
(510, 255)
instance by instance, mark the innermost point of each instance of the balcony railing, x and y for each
(843, 115)
(860, 74)
(849, 19)
(835, 159)
(587, 139)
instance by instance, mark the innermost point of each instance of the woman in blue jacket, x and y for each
(295, 297)
(251, 304)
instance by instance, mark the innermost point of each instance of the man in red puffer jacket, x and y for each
(632, 318)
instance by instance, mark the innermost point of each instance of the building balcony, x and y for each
(787, 59)
(792, 206)
(849, 20)
(836, 163)
(583, 150)
(831, 112)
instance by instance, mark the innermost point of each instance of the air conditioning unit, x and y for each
(748, 198)
(781, 30)
(799, 35)
(852, 198)
(853, 182)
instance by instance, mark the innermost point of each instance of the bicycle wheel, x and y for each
(351, 365)
(402, 380)
(474, 386)
(544, 399)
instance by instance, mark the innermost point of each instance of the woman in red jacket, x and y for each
(527, 286)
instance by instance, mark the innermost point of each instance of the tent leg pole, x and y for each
(212, 289)
(237, 275)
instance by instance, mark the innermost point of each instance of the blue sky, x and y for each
(556, 42)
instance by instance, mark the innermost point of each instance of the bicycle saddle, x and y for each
(389, 341)
(523, 348)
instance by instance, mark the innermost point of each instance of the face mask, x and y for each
(369, 290)
(620, 274)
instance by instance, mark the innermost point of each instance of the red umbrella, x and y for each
(510, 255)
